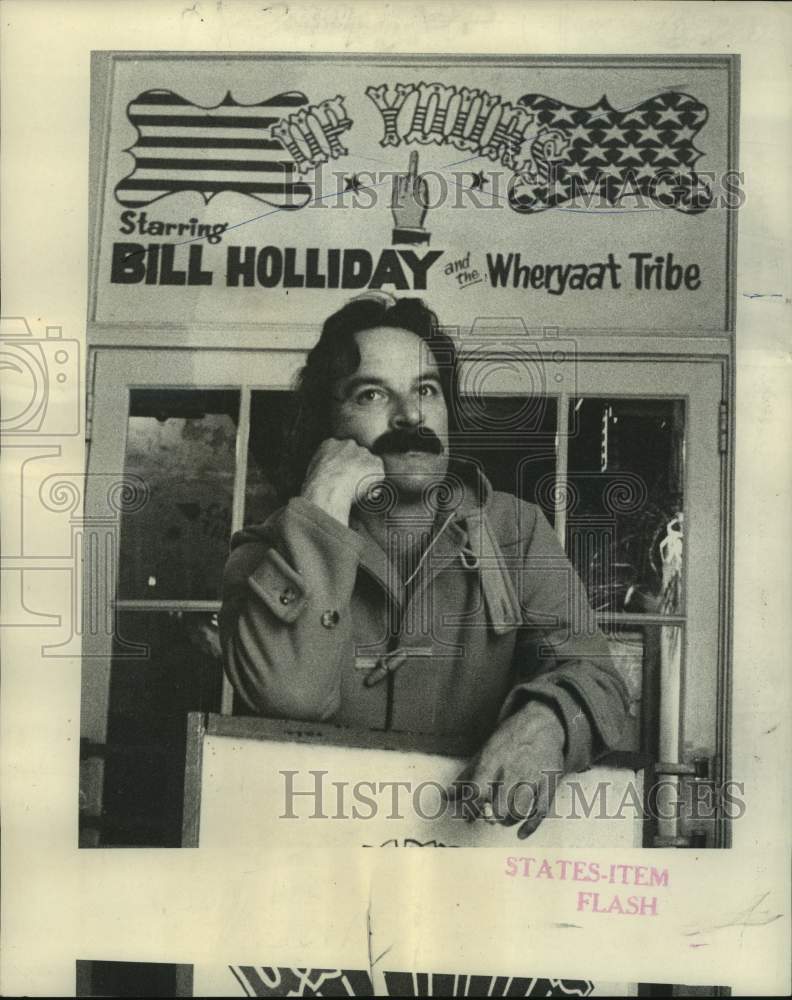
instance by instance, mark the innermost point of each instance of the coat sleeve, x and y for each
(562, 658)
(285, 619)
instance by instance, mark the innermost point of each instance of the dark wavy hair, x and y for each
(336, 356)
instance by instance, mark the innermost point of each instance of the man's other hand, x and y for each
(513, 779)
(338, 470)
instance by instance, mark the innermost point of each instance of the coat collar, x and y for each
(470, 493)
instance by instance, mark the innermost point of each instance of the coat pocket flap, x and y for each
(279, 586)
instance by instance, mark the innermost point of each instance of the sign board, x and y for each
(256, 782)
(586, 194)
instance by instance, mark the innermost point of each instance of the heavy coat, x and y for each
(496, 617)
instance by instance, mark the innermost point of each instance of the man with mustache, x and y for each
(396, 590)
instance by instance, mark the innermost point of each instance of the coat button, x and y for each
(330, 619)
(287, 596)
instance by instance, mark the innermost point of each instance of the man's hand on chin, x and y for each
(513, 779)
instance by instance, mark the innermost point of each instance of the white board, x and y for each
(257, 792)
(250, 797)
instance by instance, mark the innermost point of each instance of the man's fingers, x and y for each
(494, 789)
(509, 820)
(490, 788)
(529, 825)
(515, 803)
(461, 794)
(544, 796)
(479, 792)
(412, 167)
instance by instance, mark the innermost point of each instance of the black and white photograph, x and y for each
(395, 469)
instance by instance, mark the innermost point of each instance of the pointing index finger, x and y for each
(412, 168)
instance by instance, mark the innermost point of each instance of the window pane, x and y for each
(513, 440)
(181, 443)
(149, 702)
(270, 415)
(627, 650)
(649, 660)
(625, 522)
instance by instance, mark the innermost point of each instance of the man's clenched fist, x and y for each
(337, 471)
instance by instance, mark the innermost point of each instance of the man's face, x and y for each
(394, 406)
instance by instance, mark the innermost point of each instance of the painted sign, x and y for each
(267, 189)
(285, 794)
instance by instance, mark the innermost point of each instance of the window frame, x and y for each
(701, 704)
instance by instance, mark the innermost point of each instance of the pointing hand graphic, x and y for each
(409, 199)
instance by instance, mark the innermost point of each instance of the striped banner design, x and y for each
(185, 147)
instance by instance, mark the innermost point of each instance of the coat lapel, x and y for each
(375, 563)
(453, 545)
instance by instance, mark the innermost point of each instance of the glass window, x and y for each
(609, 472)
(181, 443)
(513, 439)
(270, 415)
(146, 726)
(625, 504)
(649, 659)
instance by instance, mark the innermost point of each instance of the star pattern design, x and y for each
(560, 116)
(650, 134)
(595, 153)
(600, 112)
(671, 115)
(631, 152)
(611, 170)
(645, 171)
(614, 133)
(576, 170)
(609, 151)
(684, 134)
(663, 154)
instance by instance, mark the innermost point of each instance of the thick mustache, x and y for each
(400, 441)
